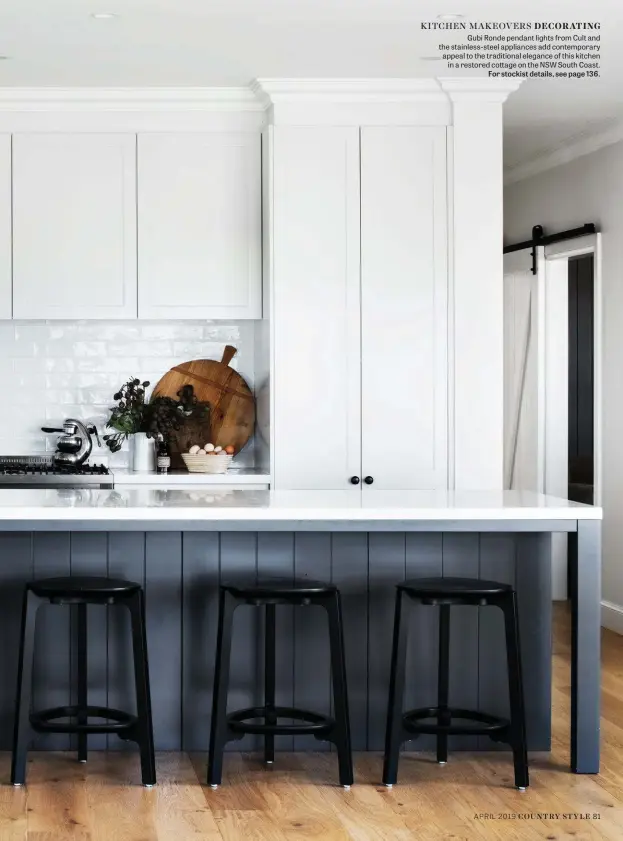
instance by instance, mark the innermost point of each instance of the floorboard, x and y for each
(471, 798)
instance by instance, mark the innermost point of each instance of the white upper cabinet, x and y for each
(74, 226)
(5, 226)
(314, 185)
(199, 212)
(404, 307)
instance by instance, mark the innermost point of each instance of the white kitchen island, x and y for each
(180, 543)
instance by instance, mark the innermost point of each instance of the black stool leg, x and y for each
(145, 734)
(515, 686)
(394, 730)
(341, 735)
(269, 681)
(443, 678)
(82, 679)
(218, 727)
(21, 733)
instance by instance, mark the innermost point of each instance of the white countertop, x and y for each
(226, 505)
(182, 478)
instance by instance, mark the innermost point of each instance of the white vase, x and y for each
(142, 453)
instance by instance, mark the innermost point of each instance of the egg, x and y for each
(201, 452)
(229, 450)
(217, 449)
(208, 448)
(194, 450)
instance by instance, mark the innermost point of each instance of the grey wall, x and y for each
(590, 189)
(181, 572)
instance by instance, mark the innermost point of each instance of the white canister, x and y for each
(143, 453)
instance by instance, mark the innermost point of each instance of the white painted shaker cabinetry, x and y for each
(404, 306)
(358, 244)
(199, 217)
(74, 225)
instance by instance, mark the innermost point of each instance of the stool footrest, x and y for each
(118, 721)
(315, 723)
(485, 724)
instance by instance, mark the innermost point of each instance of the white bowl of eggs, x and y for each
(208, 459)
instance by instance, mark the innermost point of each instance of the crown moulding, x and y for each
(129, 99)
(258, 96)
(468, 89)
(275, 91)
(576, 146)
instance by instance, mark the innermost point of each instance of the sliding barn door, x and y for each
(523, 456)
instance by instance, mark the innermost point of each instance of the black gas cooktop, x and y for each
(42, 472)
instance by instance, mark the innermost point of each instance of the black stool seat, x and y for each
(265, 720)
(77, 592)
(454, 587)
(278, 588)
(444, 720)
(82, 585)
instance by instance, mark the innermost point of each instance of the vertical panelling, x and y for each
(16, 565)
(239, 562)
(89, 556)
(423, 560)
(275, 559)
(386, 568)
(126, 559)
(163, 591)
(312, 662)
(349, 571)
(497, 563)
(51, 683)
(200, 551)
(534, 596)
(181, 575)
(461, 559)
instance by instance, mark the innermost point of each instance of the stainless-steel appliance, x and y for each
(74, 445)
(44, 472)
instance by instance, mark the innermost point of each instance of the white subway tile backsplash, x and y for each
(61, 363)
(55, 370)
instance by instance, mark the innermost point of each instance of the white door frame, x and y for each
(553, 331)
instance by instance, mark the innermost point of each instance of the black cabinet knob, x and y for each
(354, 480)
(368, 480)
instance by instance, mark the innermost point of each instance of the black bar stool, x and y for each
(226, 727)
(81, 591)
(405, 726)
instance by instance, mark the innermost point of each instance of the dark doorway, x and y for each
(581, 402)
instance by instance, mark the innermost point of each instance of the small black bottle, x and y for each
(163, 459)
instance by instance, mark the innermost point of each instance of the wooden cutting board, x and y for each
(232, 406)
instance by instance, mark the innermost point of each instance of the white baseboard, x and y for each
(612, 616)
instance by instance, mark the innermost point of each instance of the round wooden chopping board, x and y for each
(232, 406)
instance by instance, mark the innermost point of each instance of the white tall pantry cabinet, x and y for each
(360, 307)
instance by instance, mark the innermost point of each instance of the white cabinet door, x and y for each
(404, 307)
(74, 226)
(5, 226)
(199, 219)
(315, 275)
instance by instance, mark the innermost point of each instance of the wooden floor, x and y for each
(296, 800)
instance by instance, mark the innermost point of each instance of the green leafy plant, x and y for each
(160, 417)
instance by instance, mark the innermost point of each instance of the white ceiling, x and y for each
(230, 42)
